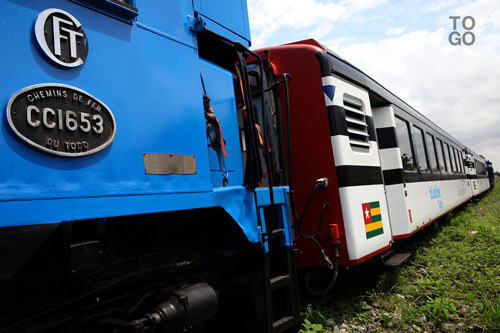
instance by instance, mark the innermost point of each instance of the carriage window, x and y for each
(453, 160)
(432, 152)
(446, 153)
(453, 166)
(404, 144)
(459, 165)
(462, 161)
(439, 151)
(454, 156)
(481, 168)
(419, 144)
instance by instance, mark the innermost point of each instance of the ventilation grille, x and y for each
(356, 123)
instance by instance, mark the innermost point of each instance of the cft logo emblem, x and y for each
(373, 219)
(61, 37)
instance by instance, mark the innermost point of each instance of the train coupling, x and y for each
(185, 309)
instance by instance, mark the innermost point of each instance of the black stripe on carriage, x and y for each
(355, 175)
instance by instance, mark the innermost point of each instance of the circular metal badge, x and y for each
(61, 37)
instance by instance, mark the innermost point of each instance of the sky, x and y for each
(405, 46)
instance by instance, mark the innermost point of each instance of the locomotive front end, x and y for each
(125, 200)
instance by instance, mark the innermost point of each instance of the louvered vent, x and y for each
(356, 123)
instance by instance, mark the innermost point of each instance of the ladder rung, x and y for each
(274, 233)
(283, 324)
(280, 281)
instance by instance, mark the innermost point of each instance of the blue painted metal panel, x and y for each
(168, 17)
(228, 20)
(240, 204)
(115, 9)
(151, 84)
(215, 27)
(18, 213)
(219, 87)
(282, 215)
(280, 196)
(148, 74)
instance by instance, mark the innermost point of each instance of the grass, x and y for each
(450, 284)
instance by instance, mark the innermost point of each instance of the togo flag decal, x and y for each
(373, 219)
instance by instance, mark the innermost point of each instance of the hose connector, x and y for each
(328, 262)
(323, 182)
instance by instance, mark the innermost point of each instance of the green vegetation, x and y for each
(450, 284)
(313, 320)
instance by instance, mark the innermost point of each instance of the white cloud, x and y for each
(360, 5)
(269, 16)
(486, 13)
(336, 43)
(296, 16)
(439, 5)
(395, 31)
(457, 87)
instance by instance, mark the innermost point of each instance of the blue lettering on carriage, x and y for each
(435, 192)
(441, 205)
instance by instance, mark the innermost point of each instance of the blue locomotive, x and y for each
(136, 194)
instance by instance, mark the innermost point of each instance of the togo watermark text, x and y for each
(468, 37)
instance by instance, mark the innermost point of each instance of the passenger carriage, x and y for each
(391, 171)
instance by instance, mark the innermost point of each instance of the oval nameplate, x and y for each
(61, 119)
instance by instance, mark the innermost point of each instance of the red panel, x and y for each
(367, 213)
(312, 149)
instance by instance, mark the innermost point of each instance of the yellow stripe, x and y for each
(373, 226)
(375, 211)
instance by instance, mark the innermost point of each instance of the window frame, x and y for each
(433, 145)
(463, 160)
(453, 164)
(410, 142)
(440, 156)
(458, 161)
(446, 154)
(423, 145)
(126, 12)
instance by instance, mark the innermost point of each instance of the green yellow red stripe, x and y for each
(373, 226)
(372, 219)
